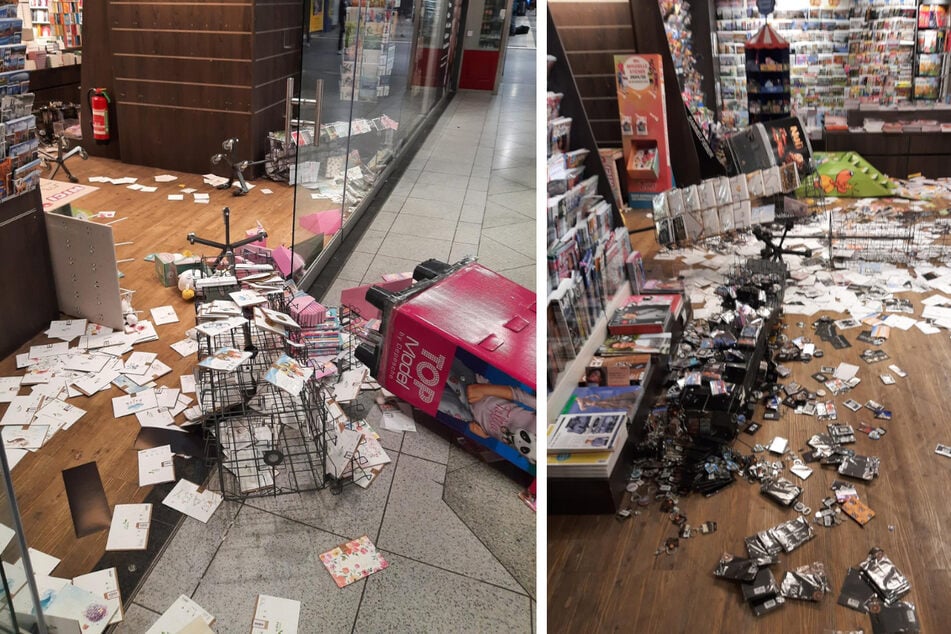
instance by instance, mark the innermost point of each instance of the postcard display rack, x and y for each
(767, 76)
(819, 36)
(932, 65)
(266, 440)
(369, 51)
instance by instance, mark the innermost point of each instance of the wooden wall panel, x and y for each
(177, 138)
(145, 67)
(165, 93)
(177, 44)
(97, 71)
(197, 17)
(205, 70)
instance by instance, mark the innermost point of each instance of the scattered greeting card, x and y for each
(67, 329)
(288, 374)
(130, 527)
(156, 466)
(132, 403)
(353, 561)
(192, 500)
(162, 315)
(138, 363)
(9, 388)
(225, 359)
(179, 615)
(104, 584)
(275, 615)
(31, 437)
(186, 347)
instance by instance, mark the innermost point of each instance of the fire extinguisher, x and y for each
(99, 106)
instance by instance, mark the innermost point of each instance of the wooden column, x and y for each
(189, 74)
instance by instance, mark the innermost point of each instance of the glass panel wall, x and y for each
(376, 70)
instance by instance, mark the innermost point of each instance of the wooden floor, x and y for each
(603, 575)
(153, 224)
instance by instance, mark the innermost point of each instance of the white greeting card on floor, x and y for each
(275, 615)
(9, 388)
(162, 315)
(31, 437)
(188, 498)
(67, 329)
(138, 363)
(22, 409)
(128, 405)
(155, 417)
(185, 347)
(156, 465)
(179, 615)
(105, 585)
(188, 383)
(130, 527)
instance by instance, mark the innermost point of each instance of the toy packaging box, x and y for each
(461, 348)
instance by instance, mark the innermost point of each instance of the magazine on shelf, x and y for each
(585, 432)
(629, 369)
(643, 314)
(599, 400)
(592, 464)
(653, 343)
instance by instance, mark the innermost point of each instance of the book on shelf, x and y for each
(629, 369)
(585, 432)
(591, 464)
(643, 314)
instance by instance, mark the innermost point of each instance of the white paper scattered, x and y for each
(165, 178)
(162, 315)
(176, 197)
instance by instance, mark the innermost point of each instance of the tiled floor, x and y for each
(470, 190)
(460, 544)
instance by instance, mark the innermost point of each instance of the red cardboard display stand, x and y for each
(459, 344)
(640, 95)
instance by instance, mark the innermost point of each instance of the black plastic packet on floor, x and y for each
(862, 467)
(764, 586)
(768, 605)
(856, 592)
(781, 490)
(901, 617)
(887, 581)
(735, 568)
(807, 583)
(762, 546)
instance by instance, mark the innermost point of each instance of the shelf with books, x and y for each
(587, 242)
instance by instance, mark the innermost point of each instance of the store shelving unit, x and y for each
(767, 76)
(881, 48)
(819, 46)
(931, 51)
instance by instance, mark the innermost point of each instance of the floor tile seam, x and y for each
(438, 200)
(379, 529)
(442, 499)
(481, 541)
(464, 575)
(144, 607)
(251, 505)
(221, 542)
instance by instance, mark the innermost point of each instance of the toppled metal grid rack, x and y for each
(269, 441)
